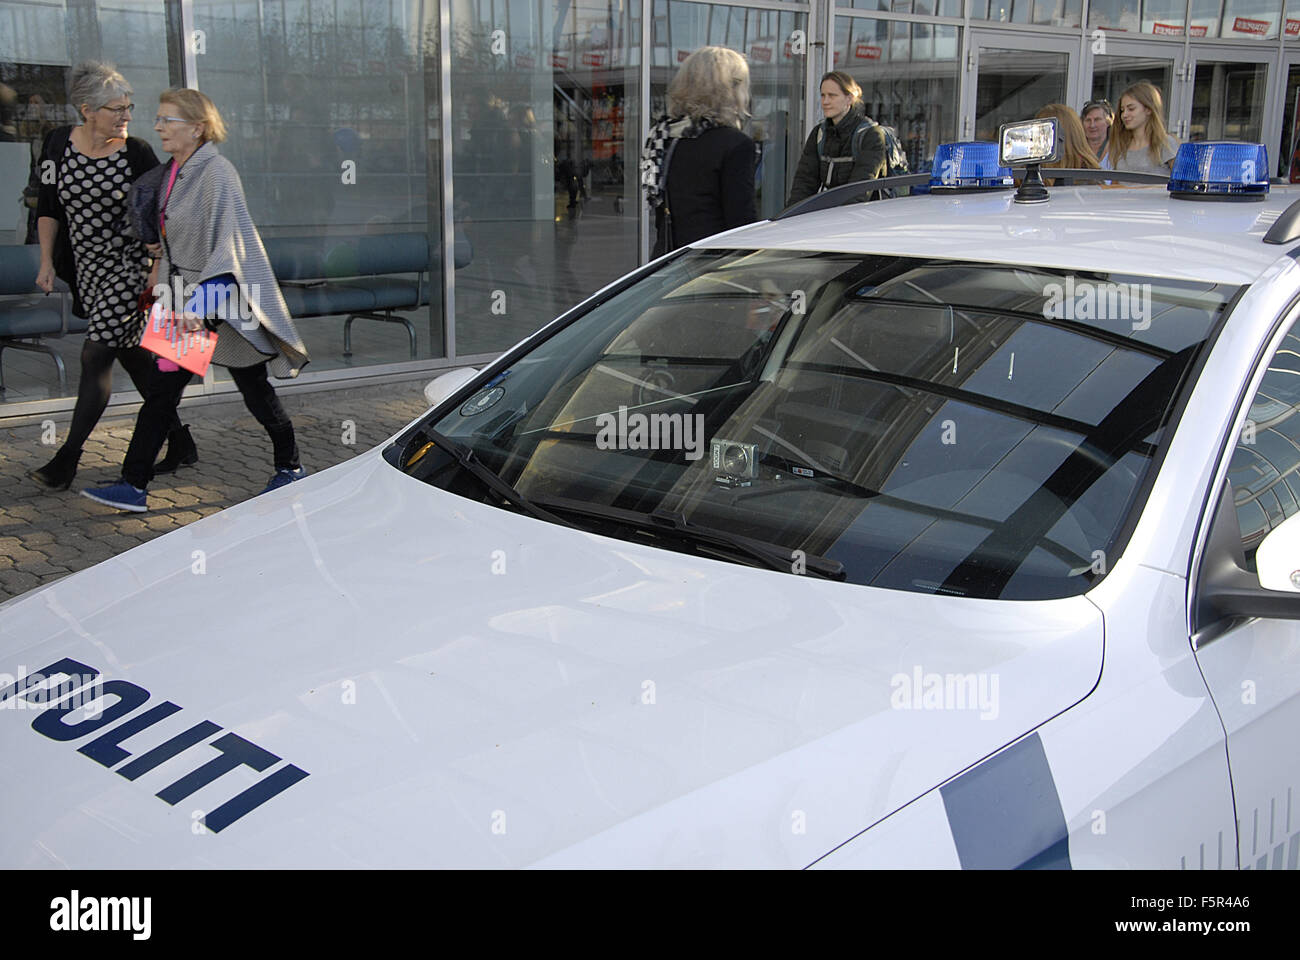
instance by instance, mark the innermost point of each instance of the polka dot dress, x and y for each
(112, 268)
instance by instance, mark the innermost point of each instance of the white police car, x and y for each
(935, 532)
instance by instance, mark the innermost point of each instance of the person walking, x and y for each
(209, 242)
(1139, 141)
(835, 152)
(83, 175)
(697, 168)
(1097, 116)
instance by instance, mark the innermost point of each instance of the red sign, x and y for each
(524, 62)
(1292, 27)
(1167, 29)
(789, 51)
(1198, 31)
(837, 56)
(682, 55)
(593, 59)
(760, 54)
(558, 60)
(866, 51)
(1256, 28)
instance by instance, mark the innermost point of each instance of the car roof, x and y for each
(1120, 229)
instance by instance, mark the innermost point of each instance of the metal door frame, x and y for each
(1271, 129)
(1178, 102)
(981, 36)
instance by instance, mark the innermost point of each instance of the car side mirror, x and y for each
(440, 388)
(1226, 590)
(1278, 557)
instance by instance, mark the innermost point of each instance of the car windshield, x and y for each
(928, 425)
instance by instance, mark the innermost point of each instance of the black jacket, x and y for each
(138, 154)
(810, 174)
(710, 187)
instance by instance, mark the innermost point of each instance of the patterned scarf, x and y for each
(656, 149)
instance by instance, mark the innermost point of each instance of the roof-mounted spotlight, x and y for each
(1028, 144)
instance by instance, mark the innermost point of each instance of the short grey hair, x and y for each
(95, 83)
(712, 83)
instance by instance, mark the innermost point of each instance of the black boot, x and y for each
(181, 451)
(58, 473)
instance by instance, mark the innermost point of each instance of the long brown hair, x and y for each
(1075, 151)
(1121, 138)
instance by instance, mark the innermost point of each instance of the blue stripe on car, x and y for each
(1005, 813)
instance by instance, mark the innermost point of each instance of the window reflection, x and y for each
(908, 75)
(547, 112)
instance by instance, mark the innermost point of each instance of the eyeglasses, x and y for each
(161, 119)
(121, 111)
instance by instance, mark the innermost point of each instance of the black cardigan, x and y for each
(139, 155)
(710, 186)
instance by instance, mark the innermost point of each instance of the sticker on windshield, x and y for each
(482, 401)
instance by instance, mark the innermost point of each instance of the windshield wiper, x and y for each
(774, 556)
(466, 457)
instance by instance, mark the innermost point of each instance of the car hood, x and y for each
(464, 686)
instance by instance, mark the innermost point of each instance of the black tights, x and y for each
(151, 422)
(96, 386)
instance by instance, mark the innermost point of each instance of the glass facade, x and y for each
(477, 159)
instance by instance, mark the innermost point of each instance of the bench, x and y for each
(27, 314)
(354, 277)
(318, 277)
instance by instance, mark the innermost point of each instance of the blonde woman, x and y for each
(209, 241)
(1076, 153)
(828, 159)
(697, 167)
(1138, 140)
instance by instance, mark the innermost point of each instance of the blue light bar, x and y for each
(972, 164)
(1220, 170)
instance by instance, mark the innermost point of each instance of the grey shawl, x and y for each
(209, 233)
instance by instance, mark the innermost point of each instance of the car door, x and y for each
(1252, 665)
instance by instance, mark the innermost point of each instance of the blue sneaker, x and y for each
(284, 477)
(121, 496)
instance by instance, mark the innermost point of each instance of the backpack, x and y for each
(895, 159)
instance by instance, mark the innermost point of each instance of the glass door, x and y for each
(1286, 151)
(1011, 77)
(1118, 64)
(1228, 96)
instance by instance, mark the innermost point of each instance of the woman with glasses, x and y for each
(209, 245)
(1097, 116)
(85, 174)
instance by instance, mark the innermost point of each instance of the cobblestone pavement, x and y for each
(45, 535)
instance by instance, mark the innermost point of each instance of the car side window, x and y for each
(1265, 466)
